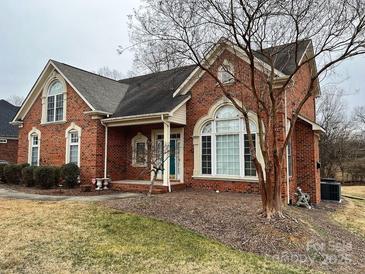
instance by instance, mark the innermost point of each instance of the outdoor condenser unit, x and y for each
(330, 190)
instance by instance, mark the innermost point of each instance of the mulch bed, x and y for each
(58, 191)
(234, 219)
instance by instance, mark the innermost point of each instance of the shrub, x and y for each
(44, 176)
(28, 176)
(69, 173)
(13, 173)
(57, 173)
(2, 166)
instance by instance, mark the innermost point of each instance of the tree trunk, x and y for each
(152, 183)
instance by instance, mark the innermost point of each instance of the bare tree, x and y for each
(334, 143)
(15, 100)
(359, 116)
(110, 73)
(154, 58)
(150, 158)
(187, 29)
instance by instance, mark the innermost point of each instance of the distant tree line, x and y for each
(342, 146)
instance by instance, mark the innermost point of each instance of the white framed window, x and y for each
(3, 141)
(290, 158)
(55, 102)
(54, 97)
(140, 153)
(34, 139)
(226, 73)
(140, 150)
(74, 147)
(225, 148)
(289, 152)
(73, 144)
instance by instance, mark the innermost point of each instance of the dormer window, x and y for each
(55, 102)
(226, 73)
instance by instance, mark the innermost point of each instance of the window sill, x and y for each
(139, 165)
(227, 178)
(54, 123)
(230, 83)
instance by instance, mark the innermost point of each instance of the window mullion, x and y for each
(240, 128)
(213, 147)
(54, 107)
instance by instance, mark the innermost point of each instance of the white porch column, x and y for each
(166, 151)
(106, 152)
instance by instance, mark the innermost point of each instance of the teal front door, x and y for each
(173, 158)
(174, 155)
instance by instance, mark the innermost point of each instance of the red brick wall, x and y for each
(205, 93)
(306, 156)
(53, 141)
(120, 151)
(305, 147)
(9, 151)
(297, 93)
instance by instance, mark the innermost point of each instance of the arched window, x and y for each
(140, 150)
(55, 101)
(224, 145)
(73, 138)
(34, 138)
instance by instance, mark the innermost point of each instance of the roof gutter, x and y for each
(135, 117)
(98, 112)
(315, 126)
(16, 123)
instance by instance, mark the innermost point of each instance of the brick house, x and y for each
(72, 115)
(8, 133)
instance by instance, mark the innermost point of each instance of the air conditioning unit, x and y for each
(330, 190)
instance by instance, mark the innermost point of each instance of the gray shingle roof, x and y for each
(153, 93)
(7, 113)
(284, 55)
(146, 94)
(102, 93)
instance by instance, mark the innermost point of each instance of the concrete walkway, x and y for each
(13, 194)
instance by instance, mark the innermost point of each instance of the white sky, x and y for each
(86, 34)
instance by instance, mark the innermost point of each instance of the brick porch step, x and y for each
(139, 186)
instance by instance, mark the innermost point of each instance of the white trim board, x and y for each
(211, 57)
(315, 126)
(37, 89)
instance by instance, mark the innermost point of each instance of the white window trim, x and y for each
(37, 132)
(72, 128)
(287, 153)
(3, 141)
(54, 76)
(221, 70)
(241, 134)
(139, 138)
(197, 172)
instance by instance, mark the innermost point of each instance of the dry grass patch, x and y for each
(352, 216)
(356, 191)
(64, 237)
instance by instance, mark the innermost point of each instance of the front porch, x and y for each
(135, 146)
(144, 185)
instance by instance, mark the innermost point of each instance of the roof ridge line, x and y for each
(142, 75)
(286, 44)
(86, 71)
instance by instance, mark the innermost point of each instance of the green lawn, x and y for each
(62, 237)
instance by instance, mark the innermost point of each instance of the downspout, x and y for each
(105, 150)
(163, 120)
(287, 160)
